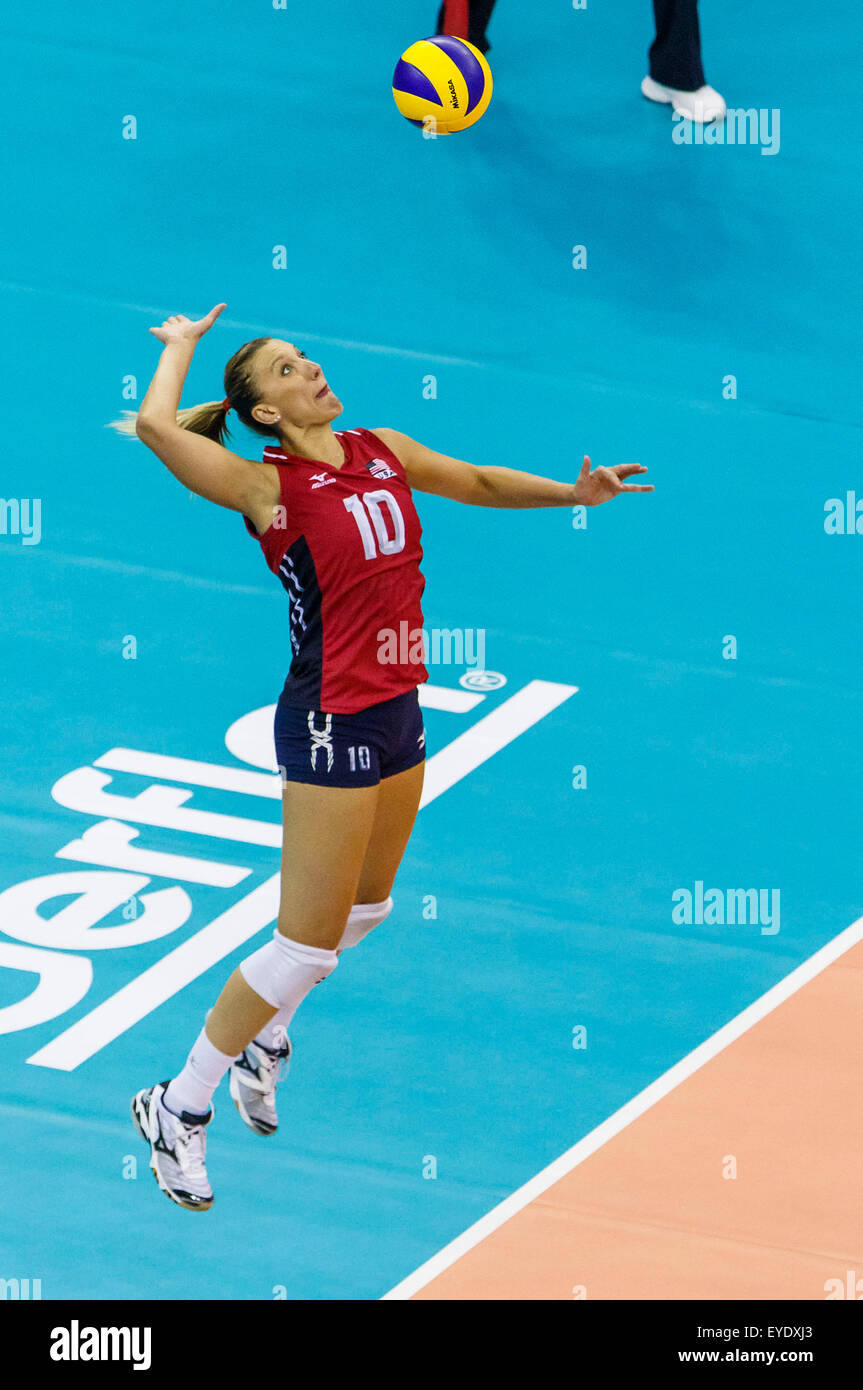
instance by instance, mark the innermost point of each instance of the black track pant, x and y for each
(675, 54)
(468, 19)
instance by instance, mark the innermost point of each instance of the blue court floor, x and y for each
(710, 630)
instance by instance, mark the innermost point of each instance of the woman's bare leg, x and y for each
(395, 814)
(238, 1015)
(325, 838)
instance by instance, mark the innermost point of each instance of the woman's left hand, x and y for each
(594, 488)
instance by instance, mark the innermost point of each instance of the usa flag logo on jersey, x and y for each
(380, 469)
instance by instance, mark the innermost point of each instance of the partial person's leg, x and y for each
(395, 813)
(676, 77)
(325, 838)
(466, 19)
(675, 54)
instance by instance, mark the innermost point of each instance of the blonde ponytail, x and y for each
(210, 420)
(242, 394)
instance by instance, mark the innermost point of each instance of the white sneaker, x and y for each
(254, 1077)
(702, 106)
(178, 1148)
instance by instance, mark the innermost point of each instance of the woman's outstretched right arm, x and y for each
(202, 465)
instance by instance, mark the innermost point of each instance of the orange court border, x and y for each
(646, 1207)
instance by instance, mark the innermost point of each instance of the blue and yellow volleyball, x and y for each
(444, 78)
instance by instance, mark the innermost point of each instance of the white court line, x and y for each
(632, 1110)
(94, 562)
(593, 381)
(259, 908)
(127, 1006)
(257, 328)
(447, 698)
(469, 750)
(161, 765)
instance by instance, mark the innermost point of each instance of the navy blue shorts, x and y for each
(349, 750)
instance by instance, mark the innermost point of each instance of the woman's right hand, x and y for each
(178, 328)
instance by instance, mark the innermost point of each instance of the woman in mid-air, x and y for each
(334, 515)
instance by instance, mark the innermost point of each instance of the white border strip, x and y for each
(634, 1108)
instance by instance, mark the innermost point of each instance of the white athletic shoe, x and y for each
(702, 106)
(178, 1148)
(254, 1077)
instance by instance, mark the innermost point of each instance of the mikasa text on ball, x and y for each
(442, 83)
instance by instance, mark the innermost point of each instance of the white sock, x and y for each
(274, 1034)
(193, 1089)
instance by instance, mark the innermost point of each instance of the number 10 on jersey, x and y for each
(367, 512)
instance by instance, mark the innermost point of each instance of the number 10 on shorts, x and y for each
(358, 757)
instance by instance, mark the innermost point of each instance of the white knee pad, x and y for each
(283, 971)
(362, 918)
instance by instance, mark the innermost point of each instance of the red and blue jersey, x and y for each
(345, 543)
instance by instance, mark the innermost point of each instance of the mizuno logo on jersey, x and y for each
(381, 469)
(321, 480)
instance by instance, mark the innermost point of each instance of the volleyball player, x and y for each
(334, 515)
